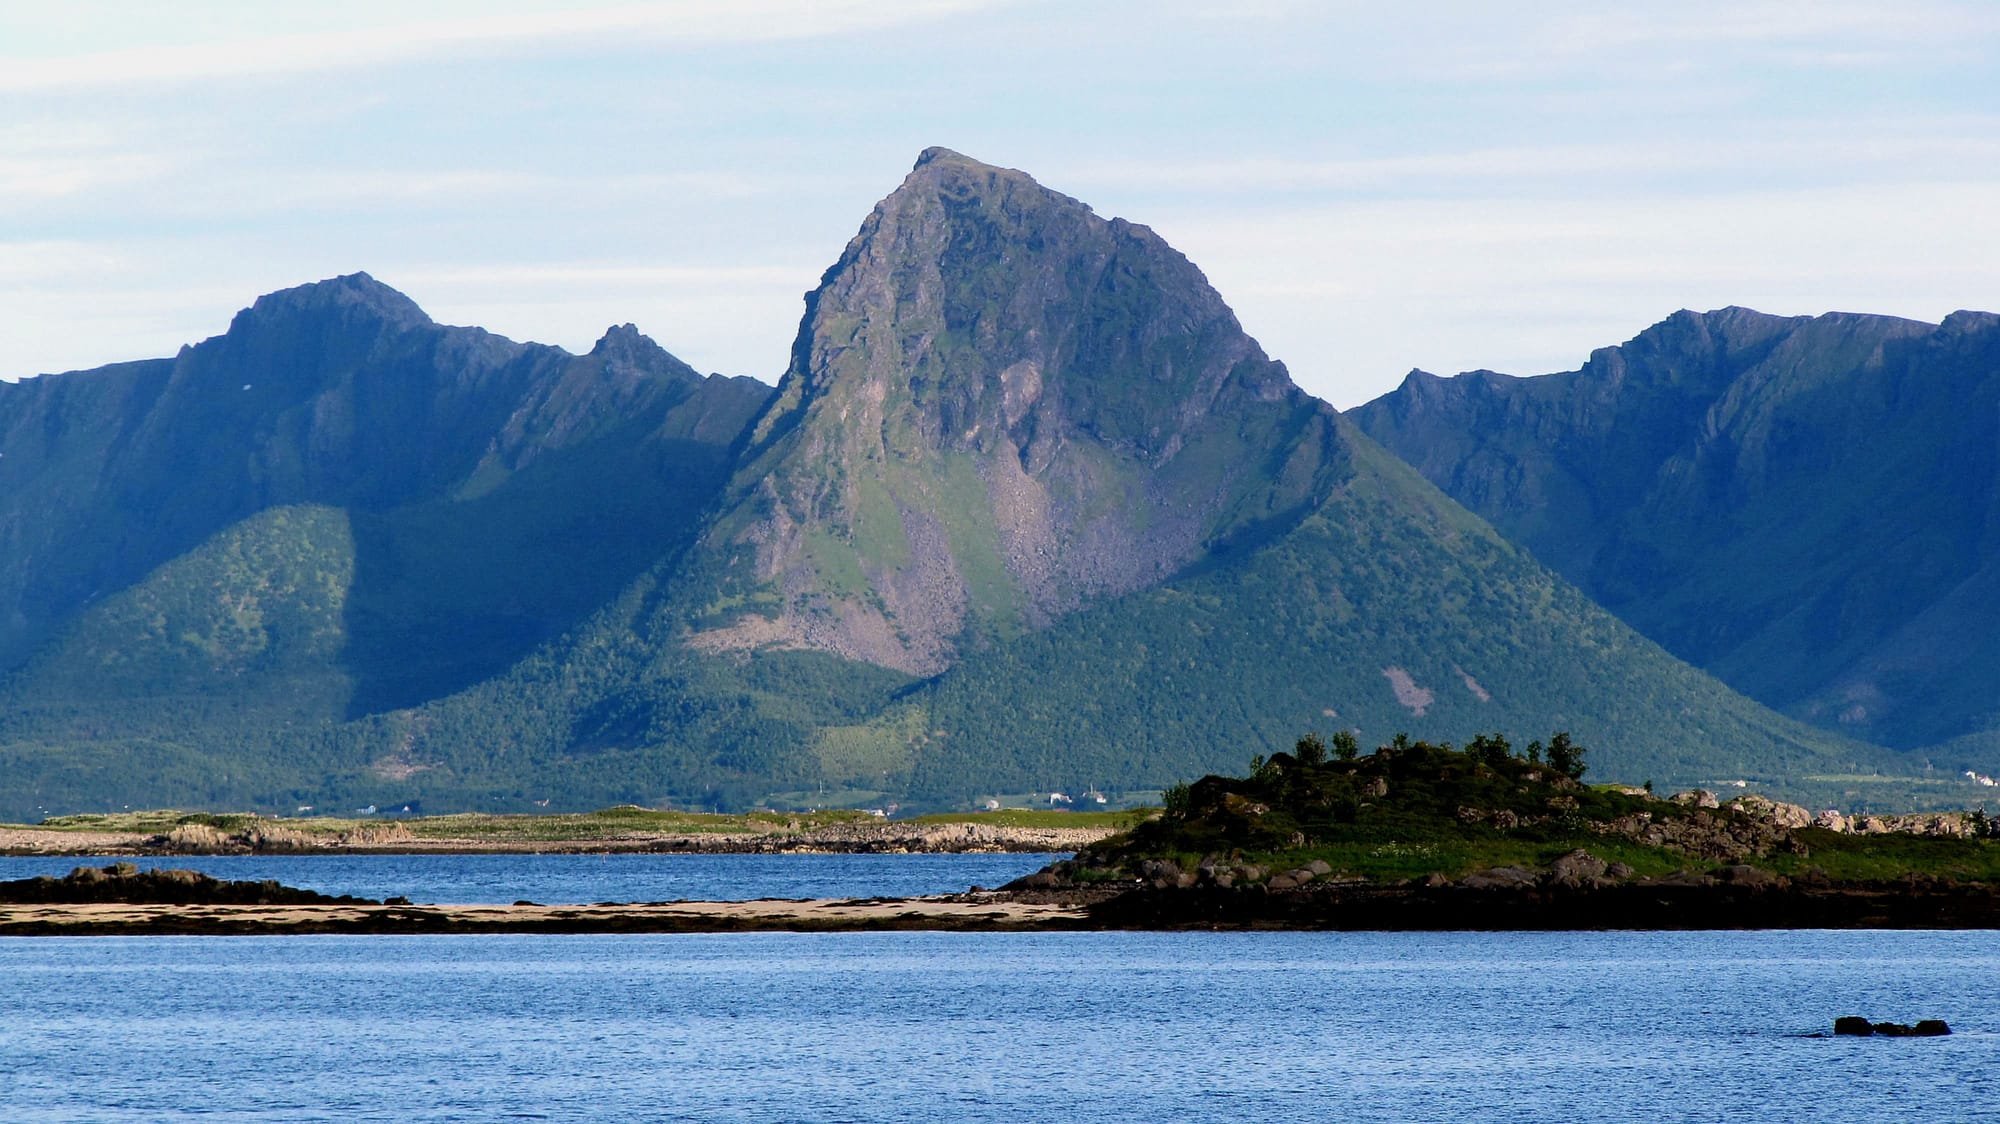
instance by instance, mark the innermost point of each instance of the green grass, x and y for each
(1419, 809)
(1032, 817)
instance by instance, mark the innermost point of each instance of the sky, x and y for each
(1371, 187)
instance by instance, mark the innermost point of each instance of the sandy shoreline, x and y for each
(962, 912)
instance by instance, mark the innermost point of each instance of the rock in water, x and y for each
(1859, 1027)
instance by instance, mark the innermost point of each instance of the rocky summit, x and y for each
(1001, 407)
(1028, 512)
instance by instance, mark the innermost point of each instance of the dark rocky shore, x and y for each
(1686, 903)
(125, 883)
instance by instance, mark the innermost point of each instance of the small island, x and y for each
(1413, 836)
(1423, 836)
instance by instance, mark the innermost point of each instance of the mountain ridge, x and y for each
(1800, 519)
(1028, 507)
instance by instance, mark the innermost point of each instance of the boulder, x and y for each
(1319, 868)
(1577, 867)
(1498, 878)
(1947, 825)
(1743, 874)
(1931, 1028)
(1684, 877)
(1854, 1025)
(1833, 821)
(1771, 811)
(1696, 798)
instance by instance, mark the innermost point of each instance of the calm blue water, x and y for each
(1244, 1027)
(573, 879)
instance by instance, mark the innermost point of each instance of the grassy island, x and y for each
(1419, 835)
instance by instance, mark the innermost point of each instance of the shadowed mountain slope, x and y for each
(339, 490)
(1805, 506)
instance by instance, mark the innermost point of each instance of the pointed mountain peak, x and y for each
(347, 295)
(960, 179)
(626, 343)
(1001, 407)
(938, 153)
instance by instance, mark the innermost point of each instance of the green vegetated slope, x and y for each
(1387, 609)
(1804, 506)
(337, 510)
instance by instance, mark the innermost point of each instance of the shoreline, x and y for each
(949, 913)
(875, 838)
(1638, 906)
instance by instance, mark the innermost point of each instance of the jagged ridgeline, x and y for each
(1806, 506)
(1029, 510)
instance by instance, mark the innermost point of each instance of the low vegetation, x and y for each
(1413, 810)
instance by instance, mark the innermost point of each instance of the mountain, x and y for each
(1028, 510)
(1000, 408)
(1807, 507)
(337, 507)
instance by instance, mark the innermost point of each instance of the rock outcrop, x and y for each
(125, 882)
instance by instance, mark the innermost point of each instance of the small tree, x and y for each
(1310, 750)
(1344, 745)
(1491, 751)
(1566, 757)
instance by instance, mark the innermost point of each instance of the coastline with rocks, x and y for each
(265, 836)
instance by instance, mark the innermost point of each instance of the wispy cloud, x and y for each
(597, 274)
(682, 22)
(1969, 147)
(1351, 294)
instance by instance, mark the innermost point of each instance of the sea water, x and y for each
(569, 879)
(1243, 1027)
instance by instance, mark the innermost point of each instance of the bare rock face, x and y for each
(1000, 407)
(1773, 811)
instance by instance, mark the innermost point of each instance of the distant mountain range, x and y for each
(1028, 511)
(1809, 508)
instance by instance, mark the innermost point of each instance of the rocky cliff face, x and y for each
(1806, 506)
(1001, 407)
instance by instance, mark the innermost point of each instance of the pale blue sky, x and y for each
(1445, 185)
